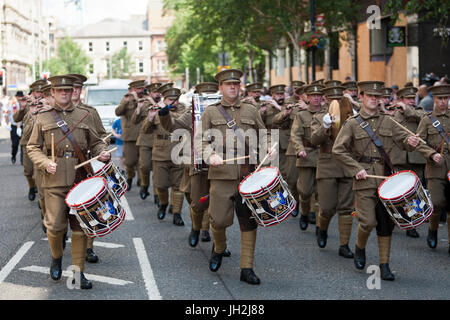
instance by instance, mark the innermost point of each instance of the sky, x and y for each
(94, 10)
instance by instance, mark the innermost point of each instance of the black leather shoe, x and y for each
(226, 253)
(205, 236)
(13, 159)
(295, 213)
(91, 256)
(193, 238)
(56, 269)
(312, 218)
(129, 182)
(156, 200)
(144, 193)
(249, 276)
(360, 258)
(84, 283)
(162, 211)
(344, 251)
(177, 220)
(412, 233)
(31, 194)
(386, 273)
(303, 222)
(432, 239)
(64, 241)
(322, 238)
(215, 261)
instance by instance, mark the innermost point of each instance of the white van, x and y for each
(105, 97)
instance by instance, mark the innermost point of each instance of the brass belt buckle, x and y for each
(231, 124)
(364, 124)
(61, 123)
(436, 123)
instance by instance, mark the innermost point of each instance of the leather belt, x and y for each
(60, 153)
(365, 159)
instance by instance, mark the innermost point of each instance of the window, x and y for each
(334, 50)
(141, 66)
(141, 45)
(91, 68)
(125, 44)
(107, 46)
(91, 47)
(158, 45)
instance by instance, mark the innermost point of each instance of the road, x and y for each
(148, 259)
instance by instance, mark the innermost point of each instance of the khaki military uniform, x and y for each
(56, 186)
(224, 179)
(166, 174)
(130, 134)
(355, 151)
(334, 185)
(402, 159)
(436, 174)
(301, 141)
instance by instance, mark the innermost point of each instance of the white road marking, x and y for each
(126, 206)
(147, 272)
(15, 260)
(89, 276)
(99, 244)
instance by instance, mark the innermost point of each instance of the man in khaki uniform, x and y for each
(408, 115)
(59, 176)
(306, 154)
(225, 177)
(254, 91)
(358, 154)
(351, 92)
(145, 140)
(296, 95)
(130, 131)
(25, 116)
(432, 128)
(166, 174)
(334, 185)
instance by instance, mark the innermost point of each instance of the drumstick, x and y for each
(109, 135)
(376, 177)
(95, 158)
(53, 148)
(407, 130)
(267, 155)
(229, 160)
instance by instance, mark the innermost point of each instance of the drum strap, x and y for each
(68, 134)
(245, 168)
(439, 128)
(377, 142)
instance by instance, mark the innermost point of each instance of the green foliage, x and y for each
(121, 64)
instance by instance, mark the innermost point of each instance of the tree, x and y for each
(121, 63)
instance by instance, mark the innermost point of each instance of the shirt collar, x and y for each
(366, 116)
(226, 104)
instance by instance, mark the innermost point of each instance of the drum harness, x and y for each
(436, 124)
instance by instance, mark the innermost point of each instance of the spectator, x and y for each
(426, 101)
(117, 133)
(15, 130)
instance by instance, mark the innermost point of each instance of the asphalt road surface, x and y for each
(148, 259)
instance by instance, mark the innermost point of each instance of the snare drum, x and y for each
(116, 181)
(406, 201)
(96, 206)
(268, 196)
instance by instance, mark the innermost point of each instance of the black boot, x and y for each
(193, 238)
(360, 258)
(295, 213)
(215, 261)
(386, 273)
(13, 159)
(412, 233)
(144, 193)
(303, 222)
(162, 211)
(205, 236)
(226, 253)
(432, 239)
(84, 283)
(312, 218)
(56, 269)
(344, 251)
(249, 276)
(129, 182)
(31, 194)
(177, 220)
(322, 238)
(156, 200)
(91, 256)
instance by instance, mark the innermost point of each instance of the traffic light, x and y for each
(2, 76)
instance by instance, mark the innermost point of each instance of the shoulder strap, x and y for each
(68, 133)
(376, 141)
(435, 123)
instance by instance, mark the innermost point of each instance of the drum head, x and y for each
(85, 191)
(397, 185)
(98, 166)
(258, 180)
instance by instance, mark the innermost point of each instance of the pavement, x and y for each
(4, 133)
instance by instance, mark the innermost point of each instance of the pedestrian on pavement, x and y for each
(13, 127)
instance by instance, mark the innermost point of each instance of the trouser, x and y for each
(224, 201)
(55, 220)
(28, 168)
(145, 165)
(283, 164)
(306, 186)
(336, 196)
(38, 180)
(371, 214)
(199, 211)
(131, 157)
(168, 175)
(440, 197)
(15, 140)
(292, 175)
